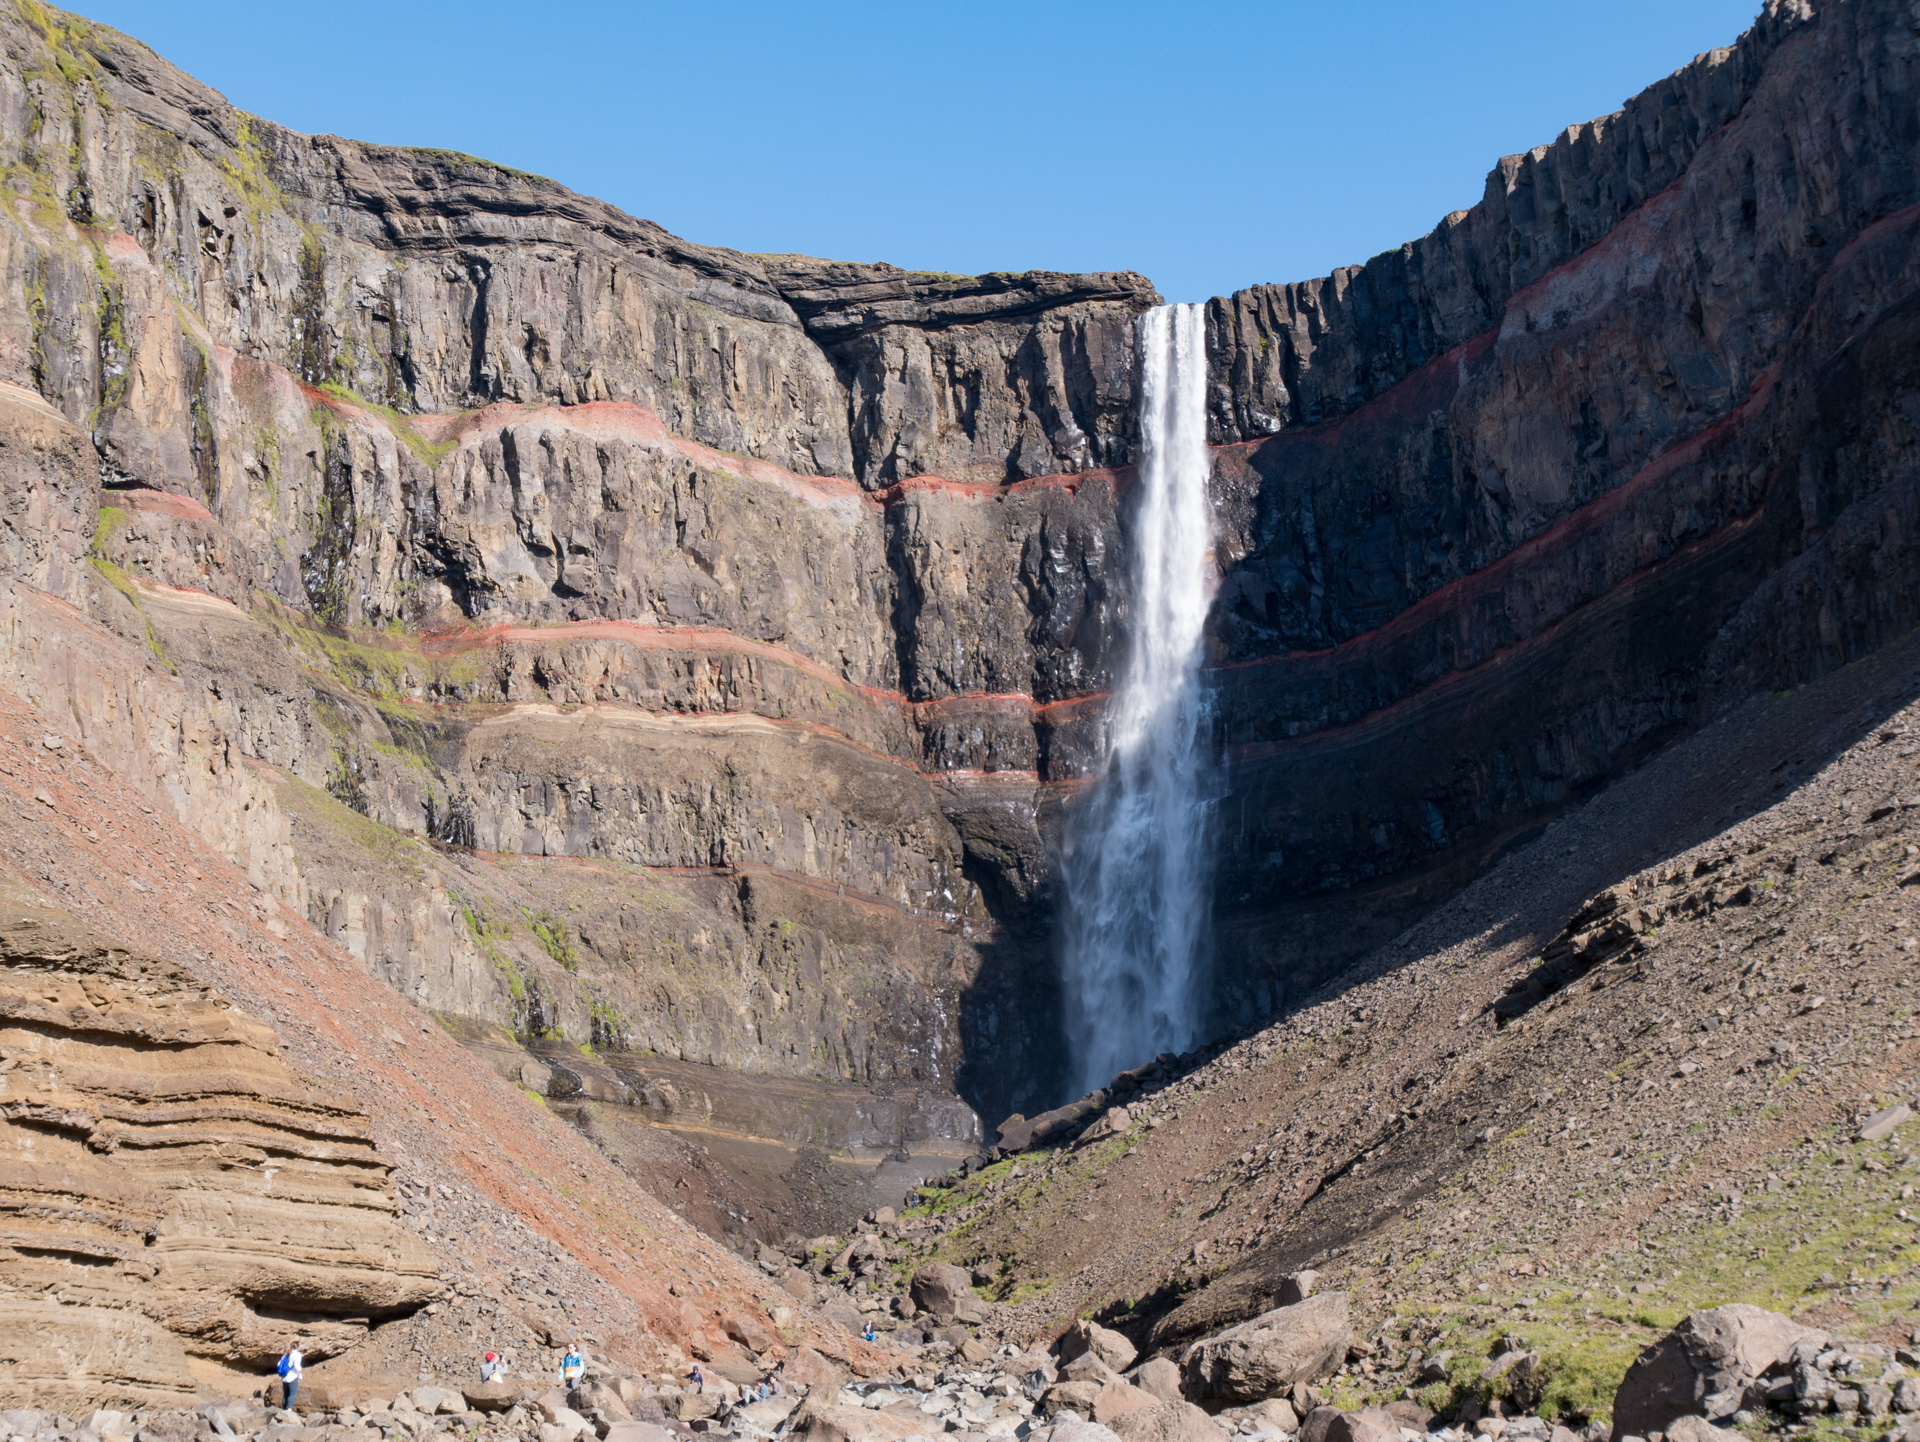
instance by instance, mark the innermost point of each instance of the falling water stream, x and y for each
(1135, 862)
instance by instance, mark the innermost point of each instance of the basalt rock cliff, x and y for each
(676, 651)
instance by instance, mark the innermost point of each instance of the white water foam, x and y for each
(1135, 864)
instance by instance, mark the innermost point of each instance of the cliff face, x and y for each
(1621, 444)
(673, 649)
(172, 1190)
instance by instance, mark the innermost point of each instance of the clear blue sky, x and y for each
(1208, 145)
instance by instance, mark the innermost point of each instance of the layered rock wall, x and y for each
(171, 1190)
(1618, 460)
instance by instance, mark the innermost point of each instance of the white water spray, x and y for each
(1135, 864)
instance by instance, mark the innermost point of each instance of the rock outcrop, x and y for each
(1704, 1367)
(1265, 1356)
(171, 1188)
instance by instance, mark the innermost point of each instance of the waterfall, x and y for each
(1134, 860)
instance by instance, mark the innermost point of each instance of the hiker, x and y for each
(493, 1369)
(290, 1373)
(571, 1367)
(869, 1335)
(698, 1378)
(775, 1387)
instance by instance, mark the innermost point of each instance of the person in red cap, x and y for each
(493, 1369)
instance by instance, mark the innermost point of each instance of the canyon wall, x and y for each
(1624, 442)
(666, 649)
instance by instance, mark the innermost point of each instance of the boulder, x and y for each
(1109, 1346)
(493, 1396)
(1118, 1398)
(1703, 1367)
(845, 1316)
(821, 1421)
(550, 1403)
(1088, 1368)
(695, 1406)
(1298, 1287)
(748, 1331)
(1074, 1429)
(938, 1286)
(1695, 1429)
(1330, 1424)
(1166, 1422)
(972, 1310)
(1113, 1121)
(1161, 1378)
(975, 1352)
(435, 1400)
(808, 1367)
(1071, 1397)
(770, 1413)
(1034, 1371)
(737, 1370)
(1266, 1356)
(639, 1432)
(1276, 1414)
(1406, 1411)
(1883, 1124)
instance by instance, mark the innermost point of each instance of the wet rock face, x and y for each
(173, 1190)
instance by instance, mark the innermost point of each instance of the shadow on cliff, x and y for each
(1010, 1018)
(1525, 887)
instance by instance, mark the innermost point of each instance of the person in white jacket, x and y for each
(290, 1373)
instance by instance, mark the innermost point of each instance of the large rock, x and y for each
(819, 1420)
(493, 1396)
(1160, 1377)
(1703, 1367)
(1072, 1397)
(1165, 1422)
(1117, 1398)
(1088, 1367)
(1265, 1356)
(938, 1287)
(1276, 1414)
(769, 1413)
(158, 1084)
(1108, 1345)
(696, 1406)
(639, 1432)
(808, 1367)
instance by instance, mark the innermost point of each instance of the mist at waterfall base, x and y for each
(1135, 860)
